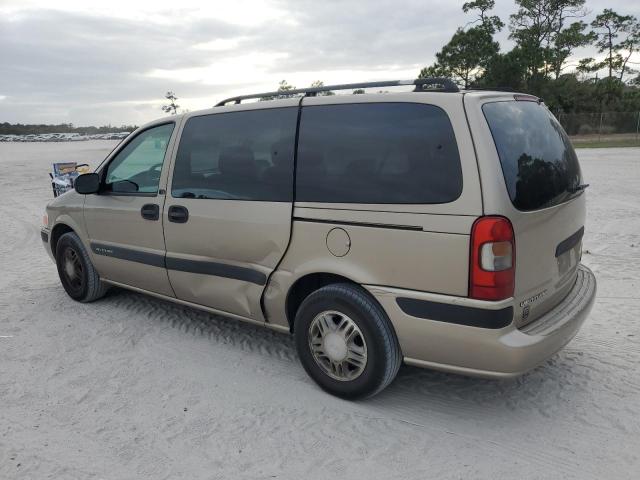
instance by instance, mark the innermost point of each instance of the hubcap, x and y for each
(73, 269)
(70, 269)
(337, 345)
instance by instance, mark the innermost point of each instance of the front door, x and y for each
(227, 216)
(124, 220)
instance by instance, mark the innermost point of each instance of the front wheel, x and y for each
(77, 274)
(346, 342)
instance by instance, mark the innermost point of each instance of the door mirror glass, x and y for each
(87, 184)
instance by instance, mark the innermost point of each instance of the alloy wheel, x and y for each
(337, 345)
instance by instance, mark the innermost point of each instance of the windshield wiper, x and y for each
(578, 188)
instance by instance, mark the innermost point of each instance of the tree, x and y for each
(531, 28)
(283, 88)
(566, 34)
(21, 129)
(318, 84)
(505, 70)
(608, 26)
(631, 44)
(172, 107)
(547, 34)
(435, 70)
(490, 22)
(587, 65)
(546, 39)
(467, 53)
(565, 42)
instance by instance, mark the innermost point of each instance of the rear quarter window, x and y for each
(539, 164)
(377, 153)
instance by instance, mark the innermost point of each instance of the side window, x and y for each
(136, 168)
(237, 156)
(377, 153)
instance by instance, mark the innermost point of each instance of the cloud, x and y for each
(61, 65)
(111, 62)
(55, 60)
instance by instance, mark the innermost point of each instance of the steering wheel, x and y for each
(150, 175)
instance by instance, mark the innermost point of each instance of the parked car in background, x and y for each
(63, 137)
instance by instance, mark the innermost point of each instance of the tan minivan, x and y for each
(435, 227)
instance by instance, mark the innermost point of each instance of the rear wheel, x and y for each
(346, 342)
(77, 274)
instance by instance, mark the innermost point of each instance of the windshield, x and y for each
(539, 164)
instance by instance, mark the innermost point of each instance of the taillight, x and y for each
(493, 259)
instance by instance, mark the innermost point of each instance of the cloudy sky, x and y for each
(90, 62)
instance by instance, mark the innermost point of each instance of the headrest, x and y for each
(312, 162)
(360, 167)
(237, 160)
(282, 153)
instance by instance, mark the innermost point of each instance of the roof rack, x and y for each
(492, 89)
(442, 85)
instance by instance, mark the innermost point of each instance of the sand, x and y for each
(131, 387)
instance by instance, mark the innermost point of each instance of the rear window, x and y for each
(539, 164)
(382, 153)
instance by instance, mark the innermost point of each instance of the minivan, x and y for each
(435, 227)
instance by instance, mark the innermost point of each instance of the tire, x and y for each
(77, 274)
(343, 306)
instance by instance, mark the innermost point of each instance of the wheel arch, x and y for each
(56, 232)
(65, 222)
(306, 285)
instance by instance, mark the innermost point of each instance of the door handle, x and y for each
(150, 211)
(178, 214)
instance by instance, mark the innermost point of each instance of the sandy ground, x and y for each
(133, 387)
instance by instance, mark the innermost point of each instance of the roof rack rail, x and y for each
(492, 89)
(442, 85)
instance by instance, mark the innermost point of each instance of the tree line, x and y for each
(28, 129)
(546, 33)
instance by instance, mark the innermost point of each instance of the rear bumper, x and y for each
(461, 344)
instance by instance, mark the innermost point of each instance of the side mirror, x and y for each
(87, 184)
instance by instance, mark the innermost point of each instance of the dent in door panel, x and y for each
(233, 296)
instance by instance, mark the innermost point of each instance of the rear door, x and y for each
(123, 220)
(227, 216)
(531, 175)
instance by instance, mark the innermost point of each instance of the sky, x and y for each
(97, 63)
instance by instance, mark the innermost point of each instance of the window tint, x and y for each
(136, 168)
(241, 155)
(377, 153)
(539, 164)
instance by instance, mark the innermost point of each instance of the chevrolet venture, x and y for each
(436, 227)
